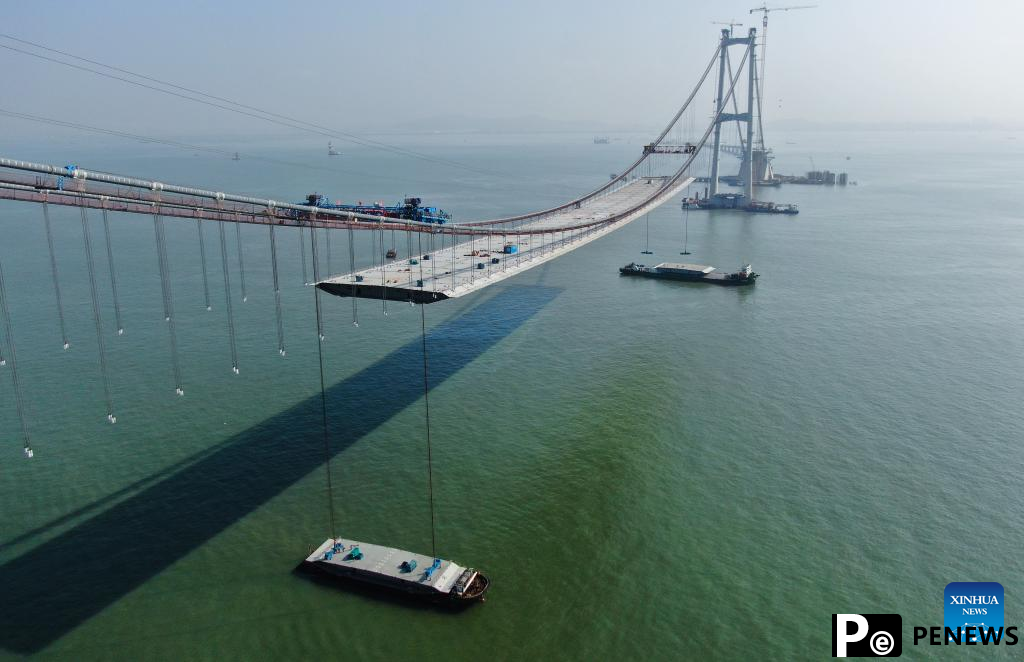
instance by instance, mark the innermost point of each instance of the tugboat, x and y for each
(419, 576)
(692, 272)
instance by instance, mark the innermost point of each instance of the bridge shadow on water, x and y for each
(63, 582)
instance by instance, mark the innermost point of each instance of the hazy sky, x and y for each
(600, 64)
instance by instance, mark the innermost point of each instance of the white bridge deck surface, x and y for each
(454, 272)
(382, 560)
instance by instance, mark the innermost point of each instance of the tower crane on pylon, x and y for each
(765, 10)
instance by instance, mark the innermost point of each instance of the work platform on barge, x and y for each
(417, 575)
(691, 272)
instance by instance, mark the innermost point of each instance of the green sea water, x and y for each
(646, 469)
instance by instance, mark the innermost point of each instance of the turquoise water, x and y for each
(646, 469)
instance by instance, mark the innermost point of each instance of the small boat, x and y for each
(692, 272)
(415, 574)
(391, 254)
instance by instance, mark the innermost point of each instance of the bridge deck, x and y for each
(453, 271)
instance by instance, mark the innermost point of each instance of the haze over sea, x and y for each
(646, 469)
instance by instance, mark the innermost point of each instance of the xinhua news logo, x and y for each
(974, 607)
(867, 635)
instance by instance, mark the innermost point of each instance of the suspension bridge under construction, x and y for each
(415, 261)
(441, 260)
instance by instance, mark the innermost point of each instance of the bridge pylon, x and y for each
(747, 169)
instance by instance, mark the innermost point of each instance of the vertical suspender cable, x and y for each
(277, 292)
(433, 263)
(426, 411)
(323, 389)
(53, 269)
(327, 236)
(383, 274)
(352, 269)
(96, 316)
(19, 399)
(316, 279)
(241, 264)
(160, 266)
(302, 253)
(202, 259)
(227, 297)
(113, 273)
(165, 283)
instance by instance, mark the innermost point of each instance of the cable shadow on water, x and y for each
(63, 582)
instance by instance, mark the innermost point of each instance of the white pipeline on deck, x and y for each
(453, 271)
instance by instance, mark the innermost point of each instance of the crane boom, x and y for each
(765, 10)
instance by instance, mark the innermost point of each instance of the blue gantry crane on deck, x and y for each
(410, 209)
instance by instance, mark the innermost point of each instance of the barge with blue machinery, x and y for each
(420, 576)
(691, 272)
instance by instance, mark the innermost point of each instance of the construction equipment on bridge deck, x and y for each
(409, 209)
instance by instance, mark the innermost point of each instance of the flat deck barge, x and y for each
(691, 272)
(418, 575)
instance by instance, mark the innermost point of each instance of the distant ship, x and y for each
(331, 151)
(236, 157)
(692, 272)
(601, 140)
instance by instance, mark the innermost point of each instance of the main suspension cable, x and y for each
(53, 270)
(18, 397)
(96, 315)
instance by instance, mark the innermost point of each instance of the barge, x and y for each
(739, 202)
(691, 272)
(419, 576)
